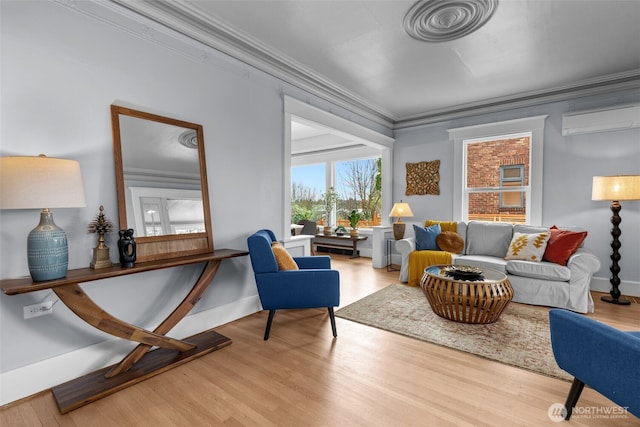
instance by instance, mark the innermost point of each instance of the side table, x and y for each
(391, 244)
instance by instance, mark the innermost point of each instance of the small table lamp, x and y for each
(615, 188)
(400, 210)
(33, 183)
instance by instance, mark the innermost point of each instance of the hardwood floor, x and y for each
(302, 376)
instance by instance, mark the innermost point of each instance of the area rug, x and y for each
(519, 338)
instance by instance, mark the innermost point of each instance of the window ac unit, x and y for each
(601, 120)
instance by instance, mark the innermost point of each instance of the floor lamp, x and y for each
(615, 189)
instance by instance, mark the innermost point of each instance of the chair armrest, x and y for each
(307, 262)
(580, 343)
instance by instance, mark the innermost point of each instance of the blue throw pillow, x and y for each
(426, 237)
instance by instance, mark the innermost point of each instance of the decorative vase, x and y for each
(354, 232)
(47, 251)
(127, 248)
(326, 230)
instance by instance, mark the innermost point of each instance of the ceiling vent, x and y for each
(445, 20)
(601, 120)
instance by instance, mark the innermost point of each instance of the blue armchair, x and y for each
(314, 285)
(604, 358)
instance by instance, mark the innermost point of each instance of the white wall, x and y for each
(63, 64)
(569, 165)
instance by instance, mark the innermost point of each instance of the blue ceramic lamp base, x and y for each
(47, 251)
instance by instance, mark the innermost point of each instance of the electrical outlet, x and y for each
(38, 309)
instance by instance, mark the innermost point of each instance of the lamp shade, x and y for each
(40, 182)
(401, 210)
(616, 188)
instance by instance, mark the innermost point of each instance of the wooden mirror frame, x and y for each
(171, 245)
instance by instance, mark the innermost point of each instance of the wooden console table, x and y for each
(339, 242)
(171, 352)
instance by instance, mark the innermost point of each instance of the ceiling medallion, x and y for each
(445, 20)
(189, 139)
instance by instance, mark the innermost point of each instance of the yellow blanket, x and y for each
(419, 260)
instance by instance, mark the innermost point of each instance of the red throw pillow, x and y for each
(562, 244)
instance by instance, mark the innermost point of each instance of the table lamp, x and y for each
(615, 188)
(42, 183)
(400, 210)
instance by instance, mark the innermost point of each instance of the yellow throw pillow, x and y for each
(283, 258)
(528, 247)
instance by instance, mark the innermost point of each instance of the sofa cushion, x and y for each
(528, 246)
(284, 260)
(562, 244)
(488, 238)
(482, 261)
(450, 241)
(539, 270)
(523, 228)
(426, 237)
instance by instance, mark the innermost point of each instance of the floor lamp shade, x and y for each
(615, 189)
(400, 210)
(42, 183)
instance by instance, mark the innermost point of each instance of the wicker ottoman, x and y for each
(466, 294)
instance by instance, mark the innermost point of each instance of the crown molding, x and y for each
(605, 84)
(209, 31)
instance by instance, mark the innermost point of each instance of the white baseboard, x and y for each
(627, 287)
(28, 380)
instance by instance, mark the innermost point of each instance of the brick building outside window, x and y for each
(491, 167)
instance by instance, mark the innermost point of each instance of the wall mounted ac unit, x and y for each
(601, 120)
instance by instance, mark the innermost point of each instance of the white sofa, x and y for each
(539, 283)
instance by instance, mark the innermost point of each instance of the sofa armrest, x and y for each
(582, 265)
(405, 247)
(582, 262)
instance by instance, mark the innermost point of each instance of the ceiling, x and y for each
(358, 55)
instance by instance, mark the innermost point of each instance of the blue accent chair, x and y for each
(604, 358)
(314, 285)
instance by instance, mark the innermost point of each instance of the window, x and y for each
(364, 143)
(498, 171)
(308, 183)
(496, 185)
(511, 176)
(356, 182)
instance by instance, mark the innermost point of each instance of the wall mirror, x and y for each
(161, 182)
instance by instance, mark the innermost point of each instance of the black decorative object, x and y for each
(463, 272)
(127, 248)
(615, 258)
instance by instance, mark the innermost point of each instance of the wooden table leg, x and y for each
(209, 271)
(79, 302)
(355, 249)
